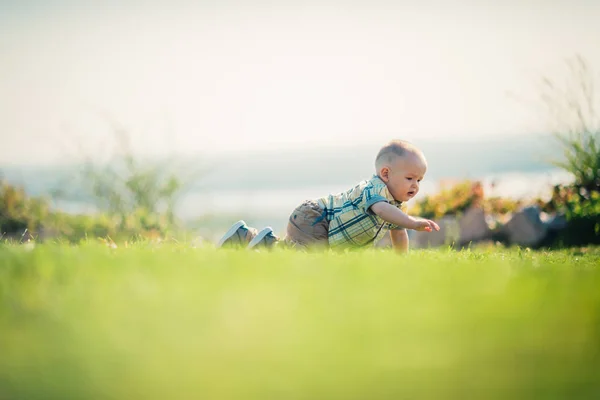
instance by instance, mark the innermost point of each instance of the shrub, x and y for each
(137, 194)
(18, 212)
(582, 211)
(456, 199)
(572, 109)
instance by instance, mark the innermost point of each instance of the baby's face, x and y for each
(404, 176)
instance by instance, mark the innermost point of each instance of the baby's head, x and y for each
(401, 166)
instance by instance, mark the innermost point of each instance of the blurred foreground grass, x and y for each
(173, 322)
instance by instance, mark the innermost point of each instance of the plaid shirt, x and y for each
(351, 221)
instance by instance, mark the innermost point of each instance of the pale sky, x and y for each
(190, 77)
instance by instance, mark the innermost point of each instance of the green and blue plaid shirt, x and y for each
(352, 223)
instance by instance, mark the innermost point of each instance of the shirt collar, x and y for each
(376, 180)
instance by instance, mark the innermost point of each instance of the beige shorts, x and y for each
(308, 226)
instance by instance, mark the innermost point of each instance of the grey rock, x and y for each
(474, 226)
(526, 227)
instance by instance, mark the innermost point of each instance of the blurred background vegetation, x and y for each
(137, 197)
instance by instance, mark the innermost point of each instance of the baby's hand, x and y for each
(427, 225)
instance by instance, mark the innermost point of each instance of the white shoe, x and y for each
(238, 235)
(264, 238)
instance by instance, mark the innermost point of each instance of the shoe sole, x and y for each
(230, 232)
(259, 237)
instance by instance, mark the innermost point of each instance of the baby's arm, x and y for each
(393, 215)
(399, 240)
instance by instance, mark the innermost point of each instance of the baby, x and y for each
(357, 217)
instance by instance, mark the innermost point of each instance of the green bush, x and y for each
(138, 193)
(582, 211)
(582, 159)
(18, 212)
(75, 228)
(457, 199)
(573, 110)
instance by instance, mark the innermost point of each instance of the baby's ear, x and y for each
(384, 173)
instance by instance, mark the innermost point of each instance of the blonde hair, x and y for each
(396, 148)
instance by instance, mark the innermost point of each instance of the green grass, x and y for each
(173, 322)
